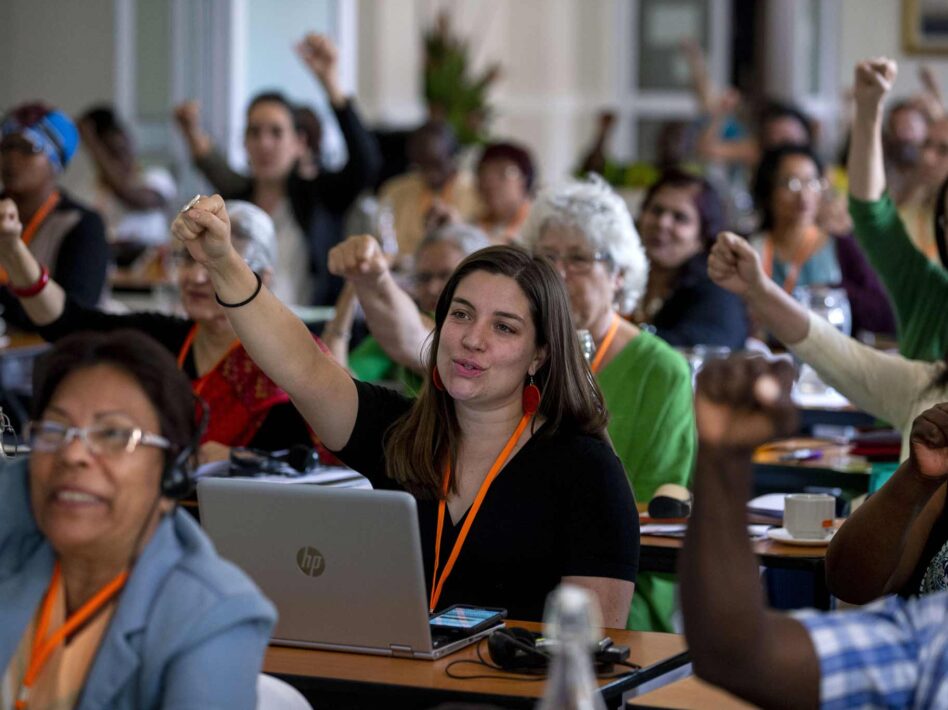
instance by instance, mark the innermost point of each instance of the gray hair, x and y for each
(253, 234)
(603, 218)
(466, 237)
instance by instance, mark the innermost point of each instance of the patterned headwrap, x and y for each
(51, 130)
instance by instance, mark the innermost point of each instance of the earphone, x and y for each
(515, 649)
(176, 478)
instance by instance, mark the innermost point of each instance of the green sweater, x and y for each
(648, 393)
(917, 287)
(370, 363)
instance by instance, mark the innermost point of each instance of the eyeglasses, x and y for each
(796, 185)
(20, 145)
(102, 439)
(575, 263)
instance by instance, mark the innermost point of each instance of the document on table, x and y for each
(678, 530)
(335, 476)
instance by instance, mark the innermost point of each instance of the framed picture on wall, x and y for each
(925, 26)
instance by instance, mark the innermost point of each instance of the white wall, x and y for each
(870, 28)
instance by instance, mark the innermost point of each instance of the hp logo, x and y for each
(310, 561)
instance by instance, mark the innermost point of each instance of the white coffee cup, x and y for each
(809, 516)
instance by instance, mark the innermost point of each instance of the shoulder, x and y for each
(401, 185)
(88, 215)
(653, 357)
(219, 595)
(18, 530)
(571, 454)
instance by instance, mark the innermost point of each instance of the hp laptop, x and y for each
(342, 566)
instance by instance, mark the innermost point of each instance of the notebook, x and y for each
(343, 566)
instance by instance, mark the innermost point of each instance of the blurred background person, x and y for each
(505, 181)
(680, 217)
(434, 184)
(36, 144)
(133, 200)
(797, 253)
(309, 213)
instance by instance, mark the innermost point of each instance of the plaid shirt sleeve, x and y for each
(891, 654)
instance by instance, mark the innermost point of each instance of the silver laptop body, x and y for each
(342, 566)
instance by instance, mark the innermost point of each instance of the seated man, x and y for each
(890, 654)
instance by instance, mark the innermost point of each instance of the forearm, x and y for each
(774, 309)
(880, 544)
(865, 164)
(23, 270)
(282, 346)
(394, 320)
(734, 641)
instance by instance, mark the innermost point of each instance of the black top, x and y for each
(283, 427)
(561, 506)
(81, 262)
(319, 204)
(699, 312)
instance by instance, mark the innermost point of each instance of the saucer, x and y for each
(782, 535)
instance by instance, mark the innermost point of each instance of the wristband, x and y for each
(245, 301)
(34, 288)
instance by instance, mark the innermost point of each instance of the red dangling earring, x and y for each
(531, 398)
(436, 380)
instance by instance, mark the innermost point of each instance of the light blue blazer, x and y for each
(190, 628)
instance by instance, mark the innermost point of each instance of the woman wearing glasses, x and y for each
(246, 407)
(793, 249)
(95, 559)
(584, 229)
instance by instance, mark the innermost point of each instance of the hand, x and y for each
(11, 229)
(359, 259)
(928, 444)
(742, 402)
(734, 265)
(321, 57)
(873, 80)
(188, 116)
(728, 102)
(205, 230)
(441, 214)
(212, 451)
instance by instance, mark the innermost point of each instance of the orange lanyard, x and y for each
(29, 231)
(606, 342)
(436, 583)
(43, 645)
(810, 240)
(199, 383)
(49, 204)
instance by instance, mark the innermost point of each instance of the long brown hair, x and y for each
(428, 434)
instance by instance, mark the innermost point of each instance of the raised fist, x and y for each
(928, 451)
(873, 80)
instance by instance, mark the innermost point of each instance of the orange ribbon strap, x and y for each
(606, 342)
(804, 252)
(436, 583)
(44, 646)
(199, 383)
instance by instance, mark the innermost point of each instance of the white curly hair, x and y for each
(594, 208)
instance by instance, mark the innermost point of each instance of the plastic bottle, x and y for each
(572, 623)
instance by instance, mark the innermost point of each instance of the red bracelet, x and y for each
(34, 288)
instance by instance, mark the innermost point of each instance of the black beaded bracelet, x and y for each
(245, 302)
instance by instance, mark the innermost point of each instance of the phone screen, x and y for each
(464, 618)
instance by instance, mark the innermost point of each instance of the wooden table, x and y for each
(336, 679)
(835, 468)
(689, 692)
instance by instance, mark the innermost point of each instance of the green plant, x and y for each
(452, 92)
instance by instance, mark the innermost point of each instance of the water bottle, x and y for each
(572, 624)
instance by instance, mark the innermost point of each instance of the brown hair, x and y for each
(428, 434)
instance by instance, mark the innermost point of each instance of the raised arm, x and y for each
(131, 192)
(735, 641)
(391, 314)
(873, 80)
(274, 337)
(880, 545)
(735, 266)
(212, 164)
(24, 271)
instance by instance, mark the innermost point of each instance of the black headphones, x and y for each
(177, 476)
(515, 649)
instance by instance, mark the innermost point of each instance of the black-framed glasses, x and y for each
(102, 439)
(575, 262)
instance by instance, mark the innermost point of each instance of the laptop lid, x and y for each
(342, 566)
